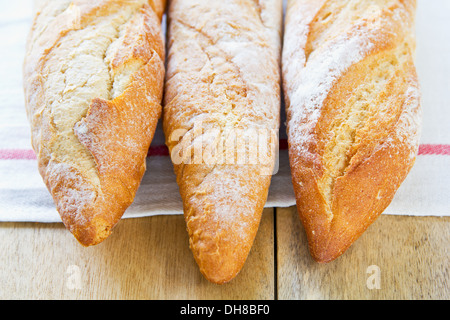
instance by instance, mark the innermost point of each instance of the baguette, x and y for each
(353, 113)
(93, 82)
(223, 82)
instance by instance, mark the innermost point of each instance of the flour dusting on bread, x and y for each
(223, 72)
(90, 74)
(353, 109)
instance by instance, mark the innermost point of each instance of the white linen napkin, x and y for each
(24, 197)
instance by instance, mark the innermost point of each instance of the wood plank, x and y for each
(410, 255)
(145, 258)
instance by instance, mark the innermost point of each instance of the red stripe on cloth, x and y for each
(284, 144)
(158, 151)
(424, 149)
(12, 154)
(18, 154)
(434, 149)
(163, 151)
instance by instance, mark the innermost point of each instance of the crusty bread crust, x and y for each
(223, 72)
(93, 80)
(353, 108)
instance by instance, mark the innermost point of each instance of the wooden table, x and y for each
(149, 258)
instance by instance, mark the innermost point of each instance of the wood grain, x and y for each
(411, 254)
(145, 258)
(149, 258)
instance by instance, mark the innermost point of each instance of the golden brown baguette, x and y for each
(353, 108)
(93, 80)
(223, 82)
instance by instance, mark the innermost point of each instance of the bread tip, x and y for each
(325, 258)
(217, 270)
(92, 235)
(326, 254)
(219, 279)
